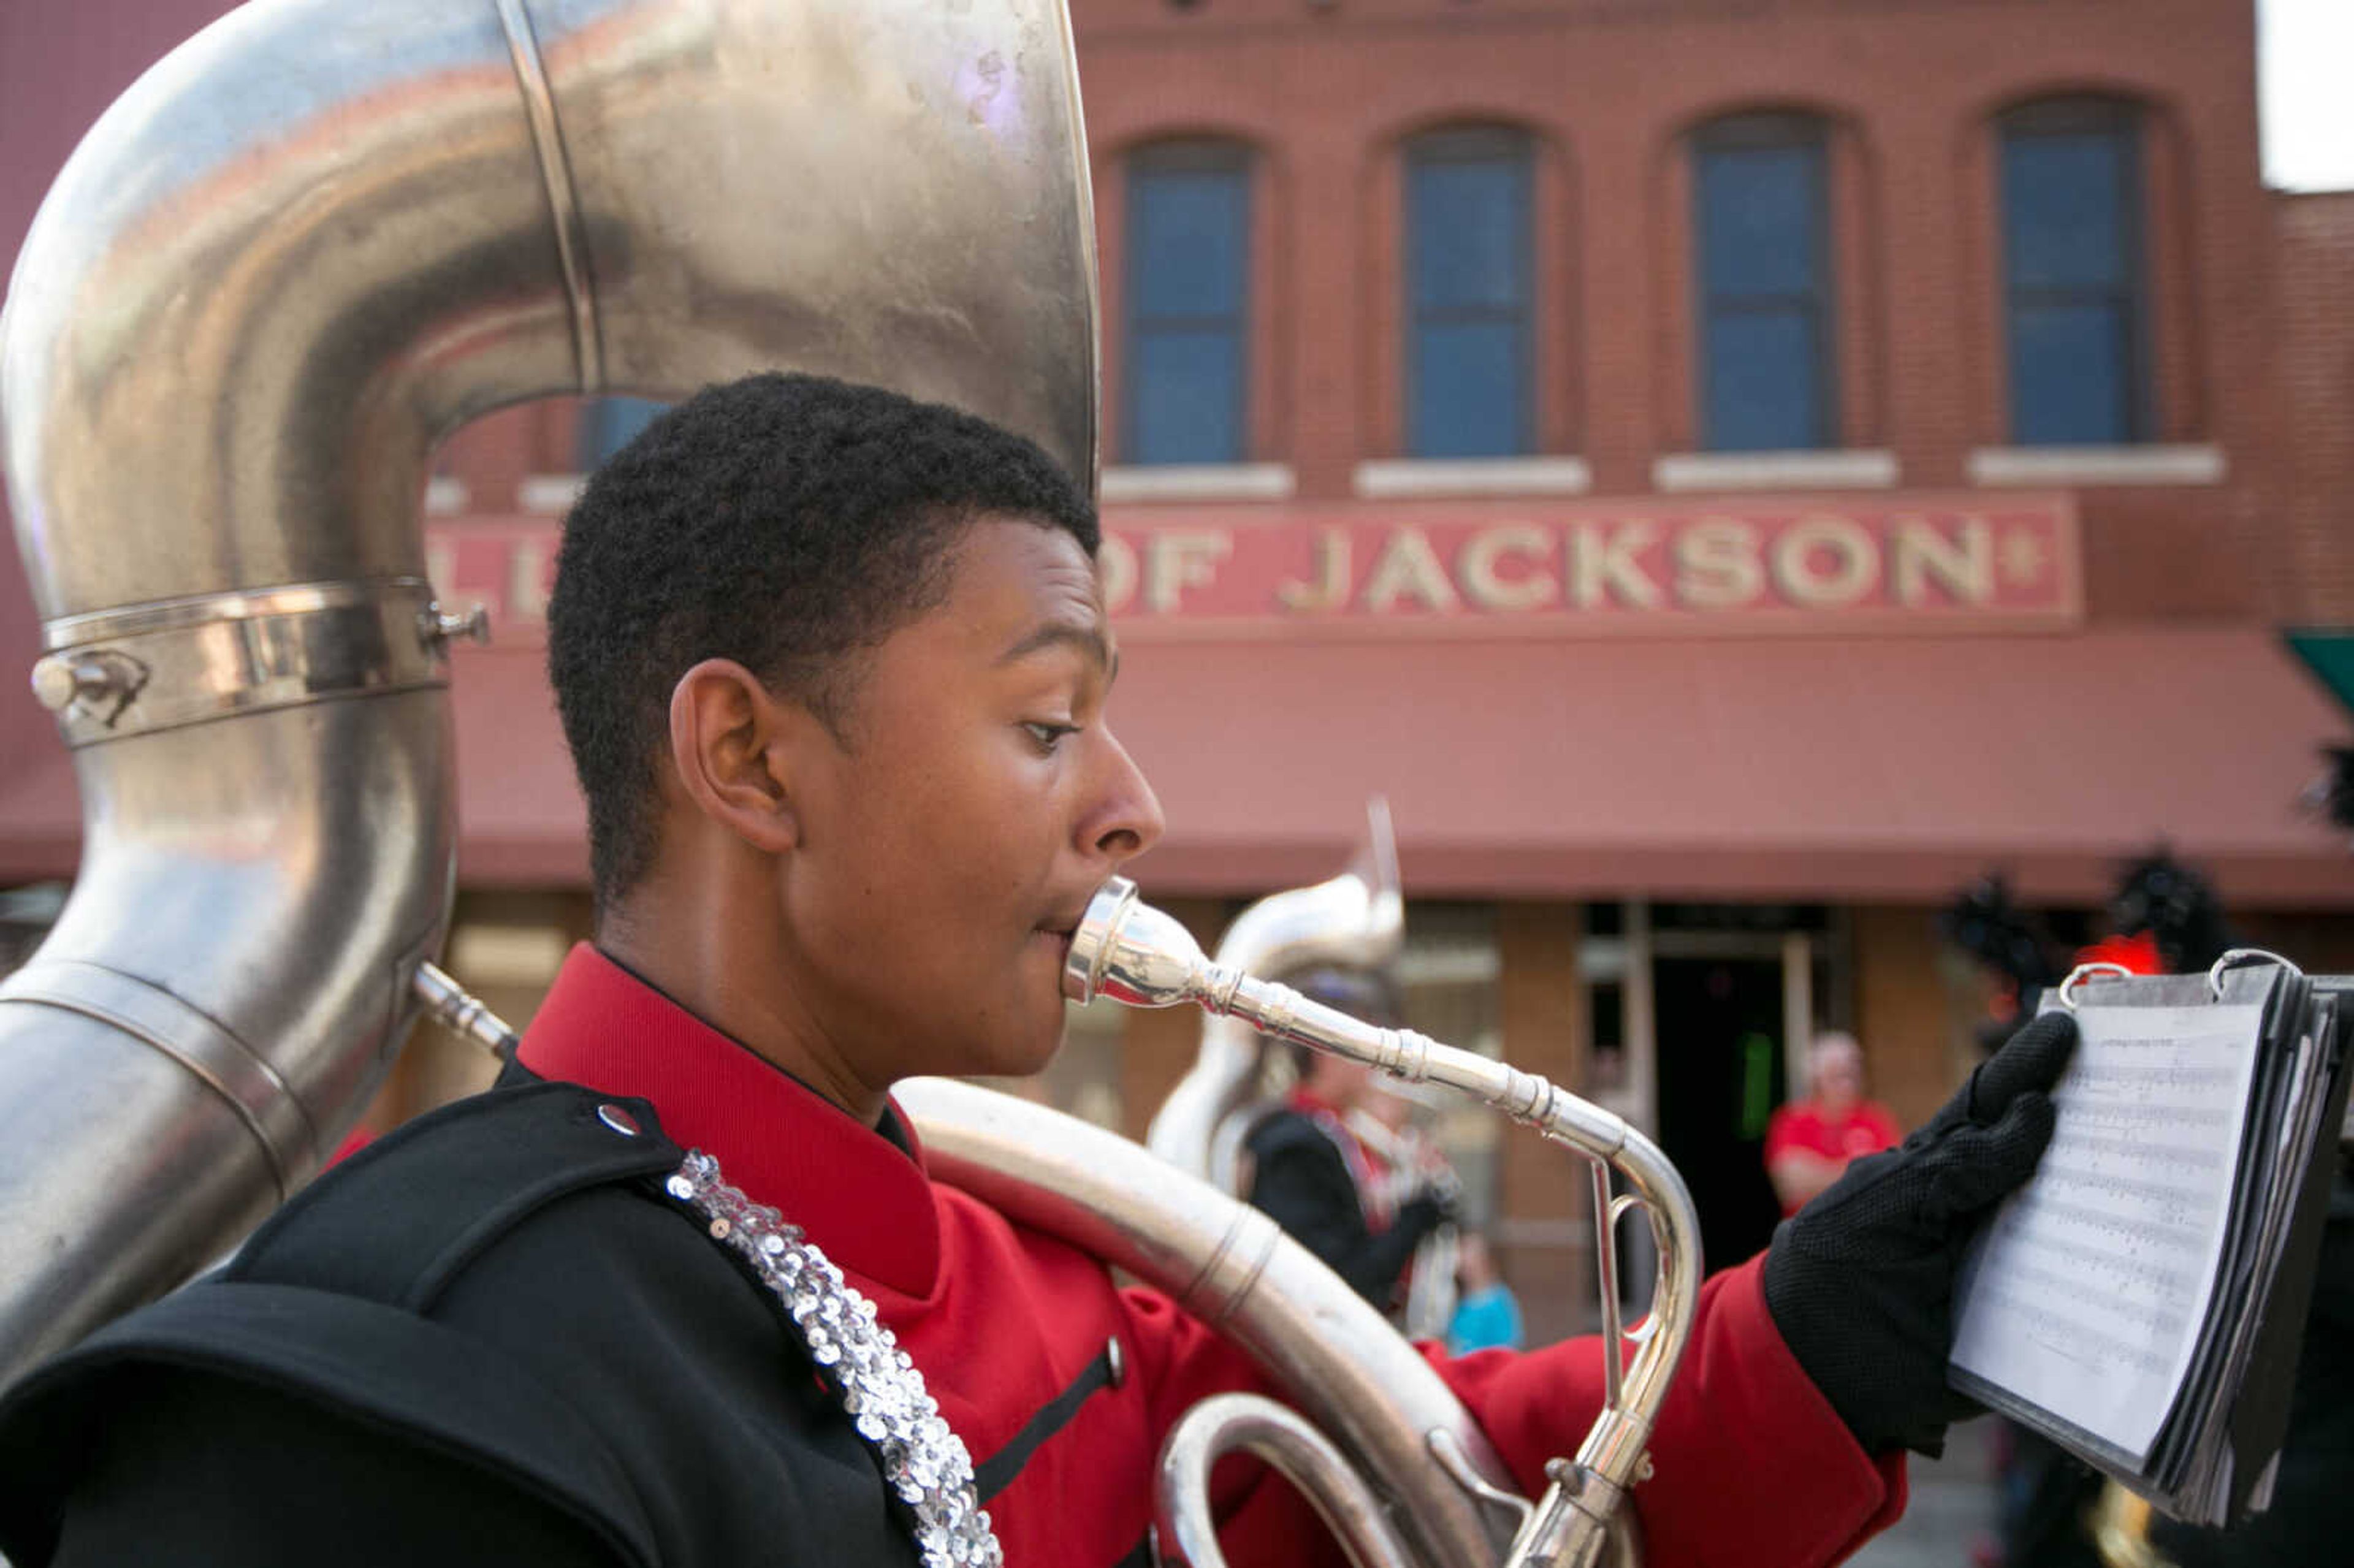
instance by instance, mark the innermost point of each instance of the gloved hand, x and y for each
(1435, 1203)
(1860, 1281)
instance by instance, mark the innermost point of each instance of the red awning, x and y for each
(1850, 769)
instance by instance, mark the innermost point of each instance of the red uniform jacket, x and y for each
(1753, 1466)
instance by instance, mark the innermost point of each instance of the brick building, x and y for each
(1730, 472)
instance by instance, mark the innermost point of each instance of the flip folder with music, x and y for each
(2141, 1302)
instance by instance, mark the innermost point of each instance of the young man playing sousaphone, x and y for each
(835, 671)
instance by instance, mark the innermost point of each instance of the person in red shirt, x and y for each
(834, 667)
(1810, 1142)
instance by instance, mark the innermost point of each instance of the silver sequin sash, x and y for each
(924, 1462)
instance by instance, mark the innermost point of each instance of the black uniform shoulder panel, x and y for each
(505, 1284)
(1280, 1131)
(390, 1370)
(397, 1220)
(324, 1303)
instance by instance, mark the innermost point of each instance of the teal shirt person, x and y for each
(1485, 1319)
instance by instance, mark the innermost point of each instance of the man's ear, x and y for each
(725, 732)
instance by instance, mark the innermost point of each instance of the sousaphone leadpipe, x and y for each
(1134, 954)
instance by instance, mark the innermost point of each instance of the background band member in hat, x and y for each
(1319, 1177)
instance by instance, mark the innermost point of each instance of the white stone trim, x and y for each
(1837, 468)
(2182, 463)
(446, 495)
(549, 493)
(1393, 478)
(1200, 482)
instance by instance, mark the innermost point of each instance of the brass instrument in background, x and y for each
(2119, 1522)
(1354, 920)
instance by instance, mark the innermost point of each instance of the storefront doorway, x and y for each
(1697, 1017)
(1721, 1051)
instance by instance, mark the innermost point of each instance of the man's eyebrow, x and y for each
(1089, 639)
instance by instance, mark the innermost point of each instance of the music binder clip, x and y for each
(2084, 972)
(2236, 956)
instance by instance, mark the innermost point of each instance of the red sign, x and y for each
(1894, 563)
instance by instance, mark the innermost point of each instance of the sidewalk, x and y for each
(1952, 1511)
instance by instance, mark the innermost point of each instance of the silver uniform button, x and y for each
(620, 1120)
(1118, 1360)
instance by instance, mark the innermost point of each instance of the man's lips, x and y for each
(1060, 925)
(1065, 921)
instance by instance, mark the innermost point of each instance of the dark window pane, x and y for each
(2069, 384)
(1189, 288)
(608, 424)
(1469, 228)
(1761, 219)
(1469, 317)
(1186, 387)
(1190, 242)
(1764, 391)
(1760, 222)
(2073, 264)
(1466, 391)
(2065, 201)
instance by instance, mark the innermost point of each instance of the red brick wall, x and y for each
(2312, 490)
(1326, 93)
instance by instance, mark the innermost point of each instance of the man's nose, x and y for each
(1129, 820)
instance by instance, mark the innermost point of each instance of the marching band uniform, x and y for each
(1314, 1176)
(499, 1330)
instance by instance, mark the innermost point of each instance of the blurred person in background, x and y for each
(1487, 1317)
(1319, 1177)
(2312, 1515)
(1409, 1162)
(1810, 1142)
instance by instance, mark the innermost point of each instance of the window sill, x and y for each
(1842, 468)
(549, 493)
(1200, 482)
(446, 495)
(2181, 464)
(1400, 478)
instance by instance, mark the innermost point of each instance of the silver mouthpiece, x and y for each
(1126, 949)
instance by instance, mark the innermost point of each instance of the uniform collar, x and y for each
(1303, 1099)
(862, 1198)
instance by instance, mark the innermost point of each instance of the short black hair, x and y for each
(789, 523)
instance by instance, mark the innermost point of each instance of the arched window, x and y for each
(1468, 322)
(2073, 289)
(1187, 369)
(1761, 241)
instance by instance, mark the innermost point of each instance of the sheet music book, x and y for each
(2141, 1302)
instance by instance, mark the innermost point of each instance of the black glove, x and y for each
(1434, 1204)
(1860, 1280)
